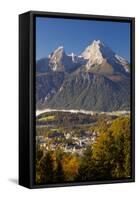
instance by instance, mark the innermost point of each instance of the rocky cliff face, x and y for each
(97, 80)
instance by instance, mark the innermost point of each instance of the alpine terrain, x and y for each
(98, 80)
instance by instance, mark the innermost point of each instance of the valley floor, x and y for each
(65, 139)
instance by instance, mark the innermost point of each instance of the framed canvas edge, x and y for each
(33, 14)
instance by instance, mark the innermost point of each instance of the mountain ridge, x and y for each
(95, 54)
(98, 79)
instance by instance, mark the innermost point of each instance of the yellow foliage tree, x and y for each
(70, 166)
(112, 149)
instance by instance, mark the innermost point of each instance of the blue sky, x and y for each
(76, 35)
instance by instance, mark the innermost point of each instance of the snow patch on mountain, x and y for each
(96, 54)
(100, 54)
(123, 62)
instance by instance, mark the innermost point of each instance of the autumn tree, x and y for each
(39, 155)
(70, 166)
(47, 168)
(59, 174)
(112, 150)
(110, 156)
(87, 170)
(121, 133)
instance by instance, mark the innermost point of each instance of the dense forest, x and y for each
(107, 157)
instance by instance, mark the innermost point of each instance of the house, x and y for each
(56, 134)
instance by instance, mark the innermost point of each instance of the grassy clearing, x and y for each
(48, 118)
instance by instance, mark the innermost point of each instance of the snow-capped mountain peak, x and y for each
(96, 49)
(56, 58)
(97, 42)
(93, 53)
(97, 58)
(60, 61)
(57, 52)
(99, 54)
(60, 50)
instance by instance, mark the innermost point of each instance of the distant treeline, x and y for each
(69, 119)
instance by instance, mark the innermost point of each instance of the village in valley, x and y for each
(67, 142)
(70, 132)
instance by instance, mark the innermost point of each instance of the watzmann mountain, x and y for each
(96, 80)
